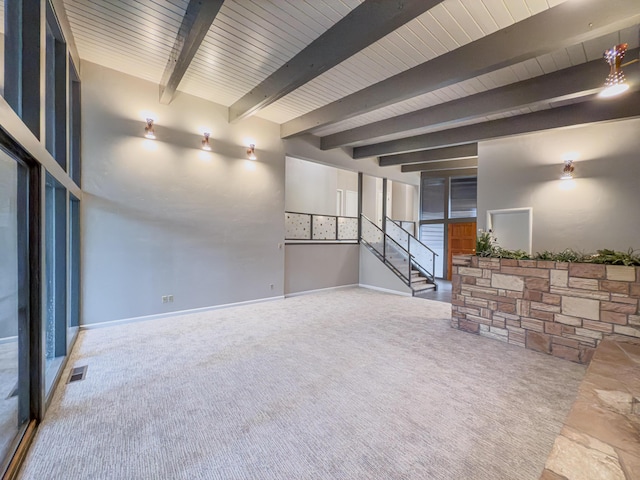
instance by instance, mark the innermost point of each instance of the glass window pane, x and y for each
(433, 237)
(74, 263)
(74, 124)
(56, 91)
(432, 198)
(56, 277)
(14, 300)
(463, 193)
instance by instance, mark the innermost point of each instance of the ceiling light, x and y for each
(205, 142)
(251, 152)
(615, 84)
(149, 132)
(567, 171)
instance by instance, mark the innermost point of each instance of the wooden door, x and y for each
(462, 241)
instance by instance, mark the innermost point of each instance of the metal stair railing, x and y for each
(390, 252)
(423, 258)
(394, 252)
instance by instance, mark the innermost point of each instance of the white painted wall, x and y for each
(314, 267)
(307, 147)
(404, 200)
(347, 180)
(374, 273)
(310, 187)
(598, 209)
(372, 198)
(163, 217)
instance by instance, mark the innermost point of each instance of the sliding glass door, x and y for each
(14, 303)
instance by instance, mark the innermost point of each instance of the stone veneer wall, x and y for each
(562, 309)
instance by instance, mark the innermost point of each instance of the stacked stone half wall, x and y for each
(562, 309)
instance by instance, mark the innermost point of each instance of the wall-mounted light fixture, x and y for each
(567, 170)
(149, 131)
(251, 152)
(205, 141)
(616, 83)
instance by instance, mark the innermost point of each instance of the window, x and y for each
(55, 277)
(432, 235)
(432, 199)
(74, 124)
(444, 202)
(56, 91)
(14, 302)
(463, 197)
(74, 265)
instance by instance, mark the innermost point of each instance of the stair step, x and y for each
(428, 287)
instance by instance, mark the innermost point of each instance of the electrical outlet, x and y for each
(165, 299)
(170, 298)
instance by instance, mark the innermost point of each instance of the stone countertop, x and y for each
(601, 435)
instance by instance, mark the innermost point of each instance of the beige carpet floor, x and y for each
(345, 384)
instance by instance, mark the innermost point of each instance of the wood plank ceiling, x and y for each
(250, 40)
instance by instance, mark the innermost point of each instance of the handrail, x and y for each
(414, 237)
(413, 261)
(389, 237)
(320, 214)
(386, 235)
(371, 222)
(383, 255)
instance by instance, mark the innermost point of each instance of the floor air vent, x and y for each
(77, 374)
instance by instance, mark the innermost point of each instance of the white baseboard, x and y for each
(385, 290)
(307, 292)
(157, 316)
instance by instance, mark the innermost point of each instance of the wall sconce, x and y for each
(567, 171)
(205, 142)
(615, 84)
(149, 132)
(251, 152)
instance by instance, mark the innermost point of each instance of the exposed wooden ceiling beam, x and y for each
(437, 154)
(364, 25)
(580, 80)
(598, 110)
(464, 172)
(566, 24)
(195, 24)
(439, 166)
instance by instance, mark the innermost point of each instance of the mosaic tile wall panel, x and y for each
(324, 228)
(347, 228)
(297, 226)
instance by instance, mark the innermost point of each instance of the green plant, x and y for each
(512, 254)
(486, 247)
(612, 257)
(567, 255)
(484, 244)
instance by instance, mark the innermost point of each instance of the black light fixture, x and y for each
(149, 132)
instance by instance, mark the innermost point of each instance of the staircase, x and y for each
(420, 283)
(406, 256)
